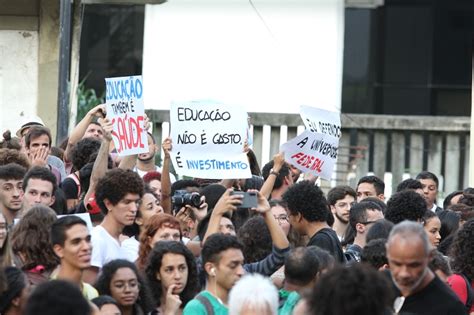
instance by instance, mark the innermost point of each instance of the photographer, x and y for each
(180, 199)
(189, 207)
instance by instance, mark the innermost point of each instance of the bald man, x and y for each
(420, 290)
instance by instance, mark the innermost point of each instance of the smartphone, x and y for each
(249, 200)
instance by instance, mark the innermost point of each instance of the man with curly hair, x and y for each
(308, 213)
(405, 205)
(8, 156)
(117, 194)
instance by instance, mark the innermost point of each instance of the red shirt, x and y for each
(459, 286)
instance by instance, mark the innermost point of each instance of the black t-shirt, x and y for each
(436, 299)
(327, 239)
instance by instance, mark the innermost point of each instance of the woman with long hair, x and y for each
(31, 244)
(149, 205)
(462, 263)
(120, 279)
(432, 226)
(172, 275)
(5, 247)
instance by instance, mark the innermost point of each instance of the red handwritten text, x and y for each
(308, 161)
(129, 132)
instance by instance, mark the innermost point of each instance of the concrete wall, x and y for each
(29, 55)
(18, 76)
(268, 55)
(48, 63)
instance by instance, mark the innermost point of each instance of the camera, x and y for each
(183, 198)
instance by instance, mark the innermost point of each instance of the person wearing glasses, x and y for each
(120, 279)
(340, 200)
(361, 218)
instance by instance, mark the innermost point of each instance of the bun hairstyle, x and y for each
(7, 142)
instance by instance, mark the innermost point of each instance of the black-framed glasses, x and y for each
(282, 218)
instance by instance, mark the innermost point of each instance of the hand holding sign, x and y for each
(99, 111)
(167, 145)
(278, 161)
(107, 126)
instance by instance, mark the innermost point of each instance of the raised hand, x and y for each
(167, 145)
(107, 126)
(262, 203)
(98, 111)
(227, 202)
(278, 161)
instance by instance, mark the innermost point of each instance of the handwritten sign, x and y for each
(208, 139)
(312, 152)
(315, 150)
(124, 102)
(321, 121)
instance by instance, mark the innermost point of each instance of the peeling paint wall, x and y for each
(18, 76)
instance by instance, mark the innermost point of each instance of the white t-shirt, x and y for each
(104, 247)
(130, 247)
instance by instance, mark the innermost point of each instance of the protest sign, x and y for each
(124, 103)
(208, 140)
(315, 150)
(312, 152)
(321, 121)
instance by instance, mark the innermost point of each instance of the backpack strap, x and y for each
(469, 290)
(74, 177)
(207, 304)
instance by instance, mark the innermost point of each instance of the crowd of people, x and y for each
(85, 231)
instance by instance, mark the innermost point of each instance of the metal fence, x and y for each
(391, 147)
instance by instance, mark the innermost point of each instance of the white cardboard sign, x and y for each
(125, 108)
(208, 140)
(312, 152)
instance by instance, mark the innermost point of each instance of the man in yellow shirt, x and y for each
(72, 244)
